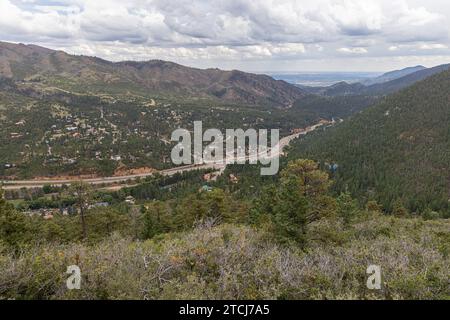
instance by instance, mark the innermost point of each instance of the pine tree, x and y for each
(14, 229)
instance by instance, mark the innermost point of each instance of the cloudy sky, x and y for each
(252, 35)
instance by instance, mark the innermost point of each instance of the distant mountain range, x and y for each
(385, 84)
(155, 77)
(392, 75)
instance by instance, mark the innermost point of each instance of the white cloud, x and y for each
(353, 50)
(192, 31)
(433, 46)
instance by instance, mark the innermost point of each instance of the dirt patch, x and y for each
(118, 187)
(124, 171)
(63, 177)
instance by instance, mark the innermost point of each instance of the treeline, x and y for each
(286, 206)
(142, 222)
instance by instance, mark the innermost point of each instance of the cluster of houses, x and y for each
(297, 130)
(322, 122)
(72, 127)
(17, 135)
(49, 213)
(212, 176)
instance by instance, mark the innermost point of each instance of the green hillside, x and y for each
(397, 152)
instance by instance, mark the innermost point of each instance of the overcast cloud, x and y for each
(256, 35)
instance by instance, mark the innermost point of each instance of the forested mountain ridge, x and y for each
(403, 82)
(155, 77)
(392, 75)
(397, 152)
(382, 87)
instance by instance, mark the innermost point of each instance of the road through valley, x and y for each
(276, 152)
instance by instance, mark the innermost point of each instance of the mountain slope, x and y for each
(155, 77)
(392, 75)
(398, 150)
(315, 108)
(380, 88)
(406, 81)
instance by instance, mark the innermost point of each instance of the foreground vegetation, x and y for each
(293, 241)
(239, 262)
(396, 152)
